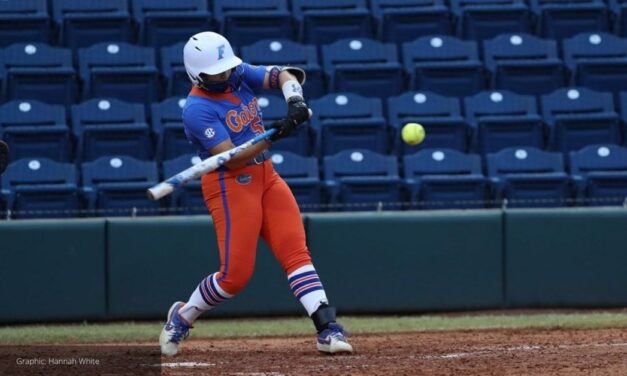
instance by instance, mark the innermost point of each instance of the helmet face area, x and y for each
(209, 54)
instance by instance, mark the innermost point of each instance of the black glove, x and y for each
(283, 129)
(297, 110)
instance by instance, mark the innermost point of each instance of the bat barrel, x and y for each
(159, 191)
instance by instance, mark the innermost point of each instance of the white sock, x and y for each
(307, 288)
(207, 295)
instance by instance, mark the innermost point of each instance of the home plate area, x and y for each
(477, 352)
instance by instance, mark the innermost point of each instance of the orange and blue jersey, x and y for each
(210, 118)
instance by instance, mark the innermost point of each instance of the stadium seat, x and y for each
(619, 10)
(405, 20)
(363, 66)
(445, 65)
(167, 124)
(504, 119)
(359, 180)
(274, 108)
(38, 71)
(166, 22)
(244, 22)
(578, 117)
(485, 19)
(41, 188)
(24, 21)
(348, 121)
(173, 69)
(82, 23)
(524, 64)
(111, 127)
(529, 177)
(119, 70)
(445, 179)
(187, 199)
(36, 129)
(285, 52)
(302, 175)
(440, 116)
(116, 186)
(597, 61)
(325, 21)
(558, 19)
(600, 174)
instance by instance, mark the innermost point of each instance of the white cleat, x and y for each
(333, 340)
(174, 331)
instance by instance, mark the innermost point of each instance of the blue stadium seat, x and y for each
(485, 19)
(359, 180)
(23, 21)
(349, 121)
(166, 22)
(597, 61)
(38, 71)
(41, 188)
(116, 186)
(173, 70)
(244, 22)
(558, 19)
(325, 21)
(622, 104)
(285, 52)
(82, 23)
(302, 175)
(504, 119)
(524, 64)
(445, 65)
(364, 67)
(189, 198)
(36, 129)
(529, 177)
(445, 179)
(274, 108)
(111, 127)
(405, 20)
(440, 116)
(119, 70)
(619, 10)
(167, 124)
(578, 117)
(600, 174)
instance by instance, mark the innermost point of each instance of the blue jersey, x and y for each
(211, 118)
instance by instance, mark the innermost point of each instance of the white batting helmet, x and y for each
(208, 53)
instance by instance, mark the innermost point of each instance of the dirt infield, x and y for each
(484, 352)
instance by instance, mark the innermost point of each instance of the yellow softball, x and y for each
(413, 133)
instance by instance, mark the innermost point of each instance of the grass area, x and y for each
(214, 328)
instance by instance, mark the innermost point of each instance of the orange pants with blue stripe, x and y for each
(246, 203)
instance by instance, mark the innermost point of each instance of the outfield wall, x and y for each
(384, 262)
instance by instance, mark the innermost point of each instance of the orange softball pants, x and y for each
(246, 203)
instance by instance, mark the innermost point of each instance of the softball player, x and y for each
(246, 198)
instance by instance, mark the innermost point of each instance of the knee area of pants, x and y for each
(233, 285)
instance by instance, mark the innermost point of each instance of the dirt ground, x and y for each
(478, 352)
(486, 352)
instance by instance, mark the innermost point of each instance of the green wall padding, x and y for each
(52, 270)
(402, 262)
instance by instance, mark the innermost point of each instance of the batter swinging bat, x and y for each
(210, 164)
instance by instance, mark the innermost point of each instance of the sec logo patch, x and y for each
(209, 132)
(244, 179)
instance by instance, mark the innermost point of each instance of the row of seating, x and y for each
(157, 23)
(446, 65)
(350, 180)
(565, 121)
